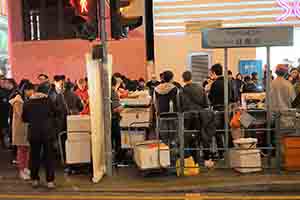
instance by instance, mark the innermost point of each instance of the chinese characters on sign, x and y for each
(247, 37)
(290, 9)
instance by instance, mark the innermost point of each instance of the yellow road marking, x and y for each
(179, 197)
(86, 197)
(245, 198)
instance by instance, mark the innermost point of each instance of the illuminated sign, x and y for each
(290, 9)
(84, 6)
(248, 37)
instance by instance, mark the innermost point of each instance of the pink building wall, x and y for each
(28, 59)
(68, 57)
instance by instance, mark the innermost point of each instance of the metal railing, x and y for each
(170, 129)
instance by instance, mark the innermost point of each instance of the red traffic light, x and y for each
(82, 6)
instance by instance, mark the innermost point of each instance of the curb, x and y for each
(287, 186)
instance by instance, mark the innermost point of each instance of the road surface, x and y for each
(45, 196)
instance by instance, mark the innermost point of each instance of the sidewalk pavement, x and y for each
(130, 180)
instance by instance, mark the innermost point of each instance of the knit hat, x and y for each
(282, 69)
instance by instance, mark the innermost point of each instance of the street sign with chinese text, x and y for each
(248, 37)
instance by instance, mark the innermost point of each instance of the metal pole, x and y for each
(106, 85)
(268, 97)
(278, 139)
(181, 138)
(226, 102)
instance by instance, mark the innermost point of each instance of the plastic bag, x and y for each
(235, 121)
(191, 168)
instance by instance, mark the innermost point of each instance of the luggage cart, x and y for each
(158, 152)
(136, 120)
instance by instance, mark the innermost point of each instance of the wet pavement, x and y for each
(131, 180)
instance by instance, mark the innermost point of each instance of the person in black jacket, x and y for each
(4, 110)
(56, 95)
(166, 101)
(193, 103)
(216, 97)
(73, 102)
(39, 112)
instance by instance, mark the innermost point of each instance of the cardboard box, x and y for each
(78, 136)
(146, 155)
(78, 152)
(143, 99)
(78, 123)
(245, 161)
(130, 139)
(135, 115)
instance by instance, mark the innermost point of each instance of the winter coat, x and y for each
(4, 107)
(193, 98)
(216, 95)
(166, 94)
(151, 86)
(74, 104)
(61, 110)
(19, 128)
(250, 88)
(84, 96)
(39, 112)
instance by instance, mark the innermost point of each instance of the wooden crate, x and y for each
(291, 152)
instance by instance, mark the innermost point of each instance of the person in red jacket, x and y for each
(83, 94)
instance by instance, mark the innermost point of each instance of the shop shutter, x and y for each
(199, 64)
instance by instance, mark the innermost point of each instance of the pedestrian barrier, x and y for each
(264, 152)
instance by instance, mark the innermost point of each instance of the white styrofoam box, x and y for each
(143, 99)
(79, 123)
(245, 161)
(78, 152)
(78, 136)
(131, 115)
(129, 139)
(146, 155)
(246, 143)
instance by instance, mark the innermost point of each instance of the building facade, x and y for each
(171, 19)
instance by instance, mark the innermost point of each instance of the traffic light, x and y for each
(84, 19)
(121, 24)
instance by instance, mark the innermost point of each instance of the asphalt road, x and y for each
(171, 196)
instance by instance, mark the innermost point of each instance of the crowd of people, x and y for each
(32, 115)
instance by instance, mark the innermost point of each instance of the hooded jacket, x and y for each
(166, 98)
(39, 113)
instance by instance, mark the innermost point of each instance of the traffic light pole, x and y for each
(105, 84)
